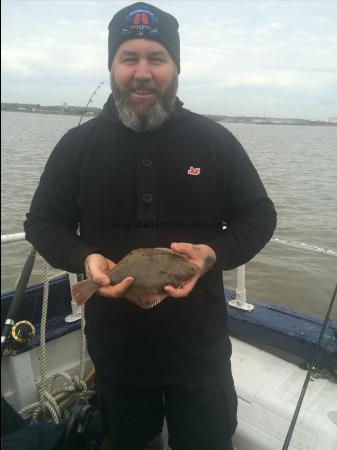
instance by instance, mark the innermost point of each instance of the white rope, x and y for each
(83, 345)
(58, 275)
(43, 359)
(55, 402)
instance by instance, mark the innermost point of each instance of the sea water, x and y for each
(297, 164)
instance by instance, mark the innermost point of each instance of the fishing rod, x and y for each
(89, 101)
(23, 330)
(310, 370)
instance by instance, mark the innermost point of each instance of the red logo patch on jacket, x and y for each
(193, 171)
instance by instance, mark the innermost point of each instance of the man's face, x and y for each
(144, 83)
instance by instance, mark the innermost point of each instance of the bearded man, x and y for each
(149, 173)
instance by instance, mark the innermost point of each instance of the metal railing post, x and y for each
(75, 310)
(241, 292)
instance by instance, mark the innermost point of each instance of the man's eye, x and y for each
(157, 60)
(129, 60)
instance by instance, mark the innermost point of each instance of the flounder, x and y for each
(151, 268)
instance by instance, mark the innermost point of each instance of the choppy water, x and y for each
(297, 164)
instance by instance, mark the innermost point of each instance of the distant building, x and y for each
(332, 119)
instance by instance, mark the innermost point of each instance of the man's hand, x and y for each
(96, 267)
(201, 255)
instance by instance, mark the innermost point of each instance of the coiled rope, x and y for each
(55, 402)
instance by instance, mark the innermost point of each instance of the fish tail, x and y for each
(82, 291)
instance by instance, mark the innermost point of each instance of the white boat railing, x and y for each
(75, 309)
(240, 300)
(15, 237)
(305, 246)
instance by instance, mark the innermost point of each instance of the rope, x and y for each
(43, 364)
(55, 401)
(58, 275)
(83, 345)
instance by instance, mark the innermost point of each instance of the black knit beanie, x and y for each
(144, 21)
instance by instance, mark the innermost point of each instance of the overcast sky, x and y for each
(272, 58)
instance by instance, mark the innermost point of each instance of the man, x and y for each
(149, 173)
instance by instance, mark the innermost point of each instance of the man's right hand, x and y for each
(96, 266)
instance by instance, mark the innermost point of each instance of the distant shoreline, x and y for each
(93, 112)
(39, 109)
(269, 121)
(59, 113)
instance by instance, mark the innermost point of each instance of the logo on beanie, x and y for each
(141, 22)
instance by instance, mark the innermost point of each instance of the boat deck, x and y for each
(268, 388)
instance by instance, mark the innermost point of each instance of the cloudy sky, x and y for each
(243, 57)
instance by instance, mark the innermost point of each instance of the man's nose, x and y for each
(143, 70)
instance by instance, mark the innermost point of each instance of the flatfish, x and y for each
(151, 268)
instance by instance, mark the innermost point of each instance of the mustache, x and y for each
(142, 86)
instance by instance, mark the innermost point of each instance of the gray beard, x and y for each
(150, 117)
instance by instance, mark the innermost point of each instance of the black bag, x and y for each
(82, 431)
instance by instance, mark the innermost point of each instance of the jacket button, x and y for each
(146, 162)
(147, 197)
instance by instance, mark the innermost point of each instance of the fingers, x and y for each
(100, 278)
(96, 267)
(183, 291)
(201, 254)
(182, 247)
(118, 289)
(195, 252)
(175, 293)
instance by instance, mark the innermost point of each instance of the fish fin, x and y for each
(149, 301)
(82, 291)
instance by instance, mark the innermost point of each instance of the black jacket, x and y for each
(188, 181)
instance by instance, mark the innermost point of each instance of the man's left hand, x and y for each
(200, 254)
